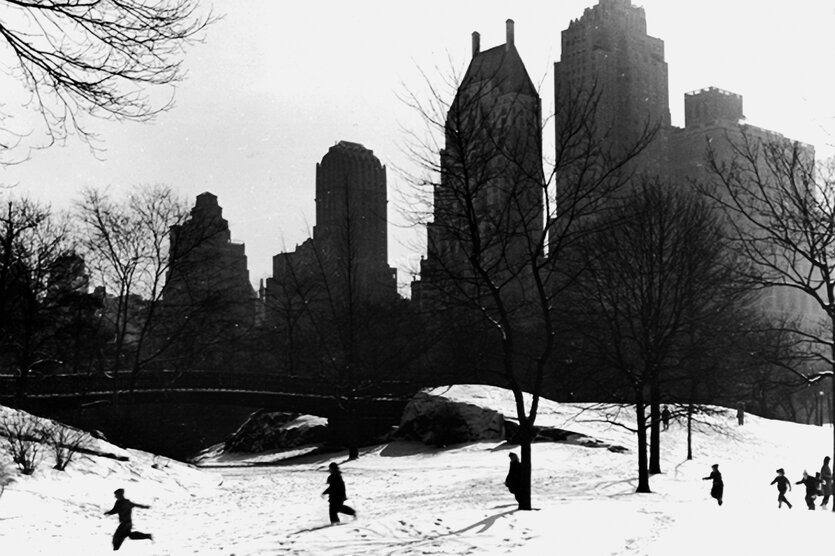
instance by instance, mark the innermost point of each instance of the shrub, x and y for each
(23, 436)
(65, 442)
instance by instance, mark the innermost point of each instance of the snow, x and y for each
(412, 499)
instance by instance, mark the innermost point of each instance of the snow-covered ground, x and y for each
(415, 500)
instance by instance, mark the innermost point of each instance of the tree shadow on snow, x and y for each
(311, 529)
(485, 523)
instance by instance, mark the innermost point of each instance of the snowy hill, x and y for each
(417, 500)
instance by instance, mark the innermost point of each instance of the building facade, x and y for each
(490, 173)
(347, 257)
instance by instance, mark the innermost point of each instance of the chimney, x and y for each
(476, 43)
(509, 41)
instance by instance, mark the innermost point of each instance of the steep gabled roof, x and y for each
(504, 67)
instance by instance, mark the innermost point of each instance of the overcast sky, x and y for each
(275, 84)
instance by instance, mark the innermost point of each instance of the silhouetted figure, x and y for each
(123, 507)
(811, 485)
(783, 484)
(665, 417)
(718, 487)
(513, 482)
(336, 495)
(826, 482)
(740, 414)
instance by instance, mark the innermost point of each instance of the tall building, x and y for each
(208, 298)
(490, 169)
(714, 124)
(347, 257)
(608, 53)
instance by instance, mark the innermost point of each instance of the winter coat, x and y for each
(124, 507)
(514, 477)
(336, 489)
(782, 483)
(718, 486)
(826, 478)
(811, 484)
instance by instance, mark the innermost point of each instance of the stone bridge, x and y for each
(314, 396)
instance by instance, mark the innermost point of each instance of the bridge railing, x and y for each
(124, 381)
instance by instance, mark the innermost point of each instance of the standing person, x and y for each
(826, 482)
(718, 487)
(740, 414)
(514, 476)
(782, 485)
(336, 495)
(123, 507)
(665, 417)
(811, 485)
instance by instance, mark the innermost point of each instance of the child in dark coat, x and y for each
(336, 495)
(826, 481)
(124, 507)
(783, 484)
(811, 485)
(513, 481)
(718, 487)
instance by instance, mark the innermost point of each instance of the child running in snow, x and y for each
(124, 507)
(783, 484)
(811, 485)
(718, 488)
(336, 495)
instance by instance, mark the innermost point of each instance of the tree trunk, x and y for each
(832, 386)
(690, 431)
(655, 429)
(643, 469)
(525, 435)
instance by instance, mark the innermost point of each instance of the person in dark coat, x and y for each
(124, 507)
(811, 485)
(783, 484)
(718, 487)
(513, 482)
(665, 417)
(826, 482)
(336, 495)
(740, 414)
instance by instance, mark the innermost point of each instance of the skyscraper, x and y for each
(347, 257)
(490, 171)
(607, 52)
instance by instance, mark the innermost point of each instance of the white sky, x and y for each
(277, 83)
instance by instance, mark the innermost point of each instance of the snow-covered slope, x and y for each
(416, 500)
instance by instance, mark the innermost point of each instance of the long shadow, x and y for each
(310, 530)
(485, 523)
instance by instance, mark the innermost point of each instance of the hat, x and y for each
(715, 465)
(781, 470)
(333, 466)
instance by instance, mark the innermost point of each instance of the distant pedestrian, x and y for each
(665, 417)
(718, 487)
(811, 485)
(123, 507)
(336, 495)
(826, 482)
(513, 481)
(740, 414)
(783, 484)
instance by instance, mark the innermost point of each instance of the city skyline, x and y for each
(271, 90)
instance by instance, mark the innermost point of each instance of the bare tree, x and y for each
(499, 221)
(94, 57)
(34, 247)
(126, 245)
(651, 280)
(780, 212)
